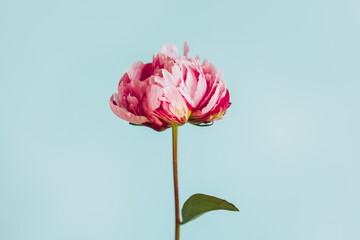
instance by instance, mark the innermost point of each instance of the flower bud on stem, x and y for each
(176, 189)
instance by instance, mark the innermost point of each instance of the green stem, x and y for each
(176, 188)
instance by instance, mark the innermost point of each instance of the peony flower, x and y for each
(170, 91)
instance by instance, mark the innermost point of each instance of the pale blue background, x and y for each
(287, 153)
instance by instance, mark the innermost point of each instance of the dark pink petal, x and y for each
(147, 70)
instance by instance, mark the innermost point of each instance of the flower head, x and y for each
(170, 91)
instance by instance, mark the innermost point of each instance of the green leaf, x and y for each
(198, 204)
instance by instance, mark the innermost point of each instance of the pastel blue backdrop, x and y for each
(287, 152)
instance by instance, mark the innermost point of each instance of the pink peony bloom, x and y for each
(171, 90)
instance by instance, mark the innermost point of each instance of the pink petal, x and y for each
(134, 72)
(165, 105)
(219, 110)
(177, 106)
(152, 102)
(216, 95)
(122, 113)
(209, 68)
(153, 94)
(186, 49)
(200, 90)
(170, 50)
